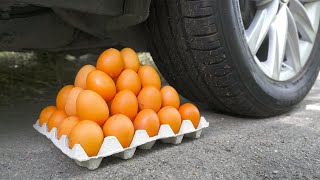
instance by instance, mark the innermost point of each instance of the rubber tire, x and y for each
(200, 48)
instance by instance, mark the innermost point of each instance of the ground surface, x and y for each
(284, 147)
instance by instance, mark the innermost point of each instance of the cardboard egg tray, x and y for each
(111, 145)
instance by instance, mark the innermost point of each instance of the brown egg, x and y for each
(147, 120)
(149, 98)
(102, 84)
(67, 125)
(126, 103)
(81, 77)
(110, 62)
(190, 112)
(62, 96)
(170, 115)
(149, 77)
(70, 107)
(91, 106)
(170, 97)
(121, 127)
(45, 114)
(56, 119)
(130, 59)
(89, 135)
(129, 80)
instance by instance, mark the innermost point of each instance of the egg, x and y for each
(149, 98)
(81, 77)
(147, 120)
(130, 59)
(62, 96)
(169, 97)
(70, 107)
(170, 115)
(67, 125)
(126, 103)
(45, 114)
(56, 119)
(149, 77)
(121, 127)
(102, 84)
(89, 135)
(91, 106)
(129, 80)
(110, 62)
(190, 112)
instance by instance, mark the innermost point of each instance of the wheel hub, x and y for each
(281, 35)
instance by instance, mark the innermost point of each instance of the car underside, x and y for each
(44, 25)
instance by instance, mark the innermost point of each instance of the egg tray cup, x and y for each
(111, 145)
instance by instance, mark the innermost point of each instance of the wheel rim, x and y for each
(287, 29)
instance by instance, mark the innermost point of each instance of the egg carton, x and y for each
(111, 145)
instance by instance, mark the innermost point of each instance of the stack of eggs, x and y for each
(115, 98)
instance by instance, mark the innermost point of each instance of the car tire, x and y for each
(200, 48)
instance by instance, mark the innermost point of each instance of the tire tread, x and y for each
(193, 56)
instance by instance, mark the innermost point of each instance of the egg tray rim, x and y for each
(72, 153)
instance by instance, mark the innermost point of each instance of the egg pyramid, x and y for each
(115, 98)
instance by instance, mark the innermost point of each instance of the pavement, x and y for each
(282, 147)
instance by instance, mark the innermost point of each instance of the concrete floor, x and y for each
(283, 147)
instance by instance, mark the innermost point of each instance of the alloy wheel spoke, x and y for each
(303, 22)
(261, 2)
(292, 50)
(260, 25)
(277, 42)
(282, 34)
